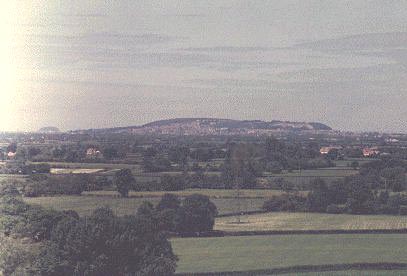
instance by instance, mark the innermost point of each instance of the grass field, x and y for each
(266, 252)
(311, 221)
(84, 205)
(350, 273)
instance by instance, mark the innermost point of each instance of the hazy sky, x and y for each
(88, 64)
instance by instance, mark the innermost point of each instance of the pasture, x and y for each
(351, 273)
(278, 251)
(283, 221)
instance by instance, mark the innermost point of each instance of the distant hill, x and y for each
(49, 130)
(215, 126)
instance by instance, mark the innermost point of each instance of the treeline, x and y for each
(375, 190)
(65, 184)
(62, 243)
(22, 168)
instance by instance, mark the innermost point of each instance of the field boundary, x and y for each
(305, 268)
(218, 233)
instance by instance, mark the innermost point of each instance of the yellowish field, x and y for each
(106, 166)
(310, 221)
(74, 171)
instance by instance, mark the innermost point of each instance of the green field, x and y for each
(310, 221)
(350, 273)
(267, 252)
(84, 205)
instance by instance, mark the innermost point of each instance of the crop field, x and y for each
(310, 221)
(277, 251)
(74, 171)
(92, 165)
(84, 205)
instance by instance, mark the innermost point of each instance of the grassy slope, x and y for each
(311, 221)
(265, 252)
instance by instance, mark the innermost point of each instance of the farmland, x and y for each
(282, 221)
(268, 252)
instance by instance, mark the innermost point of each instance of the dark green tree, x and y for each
(197, 214)
(124, 181)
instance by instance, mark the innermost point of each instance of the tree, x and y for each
(395, 178)
(318, 198)
(240, 168)
(360, 195)
(124, 181)
(197, 214)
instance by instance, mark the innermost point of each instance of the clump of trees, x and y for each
(59, 243)
(194, 214)
(101, 244)
(70, 184)
(353, 195)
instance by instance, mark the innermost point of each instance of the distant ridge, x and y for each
(215, 126)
